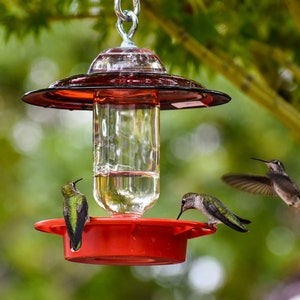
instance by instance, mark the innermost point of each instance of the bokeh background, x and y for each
(248, 49)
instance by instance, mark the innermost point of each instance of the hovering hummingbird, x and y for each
(75, 210)
(276, 183)
(214, 209)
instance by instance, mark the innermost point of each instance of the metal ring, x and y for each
(132, 16)
(123, 15)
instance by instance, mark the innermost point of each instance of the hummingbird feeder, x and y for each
(126, 87)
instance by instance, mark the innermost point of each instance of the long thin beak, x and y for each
(259, 159)
(181, 211)
(74, 182)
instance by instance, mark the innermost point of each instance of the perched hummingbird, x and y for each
(75, 210)
(276, 183)
(214, 209)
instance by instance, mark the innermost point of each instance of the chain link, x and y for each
(123, 15)
(132, 30)
(127, 16)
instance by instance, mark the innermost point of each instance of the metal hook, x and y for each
(127, 16)
(128, 36)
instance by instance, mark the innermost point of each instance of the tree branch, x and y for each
(256, 90)
(279, 56)
(294, 8)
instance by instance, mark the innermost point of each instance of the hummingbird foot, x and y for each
(211, 225)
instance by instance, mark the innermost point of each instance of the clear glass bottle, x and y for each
(126, 157)
(126, 138)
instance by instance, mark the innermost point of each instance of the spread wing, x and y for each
(260, 185)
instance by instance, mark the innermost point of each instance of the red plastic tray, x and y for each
(129, 241)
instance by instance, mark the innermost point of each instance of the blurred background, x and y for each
(247, 49)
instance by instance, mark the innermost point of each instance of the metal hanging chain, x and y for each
(127, 16)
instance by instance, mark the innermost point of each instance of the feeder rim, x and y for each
(79, 91)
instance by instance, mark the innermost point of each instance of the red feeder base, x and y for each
(129, 241)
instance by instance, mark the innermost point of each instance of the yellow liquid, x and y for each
(127, 192)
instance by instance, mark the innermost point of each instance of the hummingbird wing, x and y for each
(219, 211)
(260, 185)
(75, 229)
(68, 224)
(82, 216)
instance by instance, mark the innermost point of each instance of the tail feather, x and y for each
(235, 226)
(75, 245)
(244, 221)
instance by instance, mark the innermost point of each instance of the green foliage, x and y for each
(44, 41)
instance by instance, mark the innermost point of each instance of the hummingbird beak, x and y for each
(181, 211)
(259, 159)
(74, 182)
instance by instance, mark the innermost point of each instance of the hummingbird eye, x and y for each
(183, 201)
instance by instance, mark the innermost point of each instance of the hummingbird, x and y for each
(276, 183)
(214, 209)
(75, 211)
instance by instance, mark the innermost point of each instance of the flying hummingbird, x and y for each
(214, 209)
(75, 210)
(276, 183)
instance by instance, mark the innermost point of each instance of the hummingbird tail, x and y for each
(234, 225)
(244, 221)
(75, 245)
(233, 222)
(240, 228)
